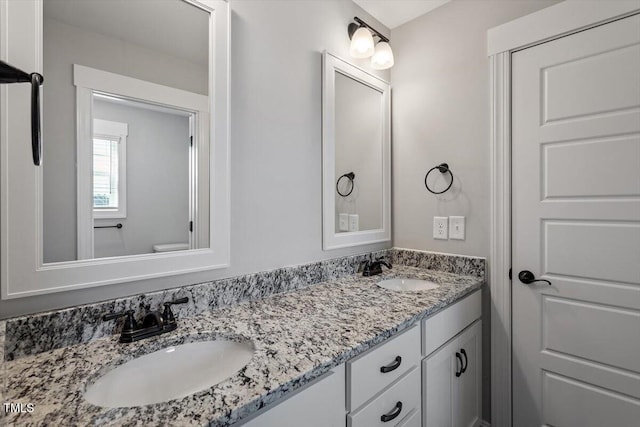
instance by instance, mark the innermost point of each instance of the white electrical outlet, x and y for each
(440, 227)
(354, 223)
(456, 227)
(343, 222)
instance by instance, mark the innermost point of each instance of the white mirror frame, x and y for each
(331, 239)
(23, 272)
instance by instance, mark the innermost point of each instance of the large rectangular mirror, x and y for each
(355, 156)
(123, 104)
(134, 136)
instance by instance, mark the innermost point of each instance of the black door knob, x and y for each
(527, 278)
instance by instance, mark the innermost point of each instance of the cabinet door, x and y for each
(320, 404)
(438, 381)
(467, 387)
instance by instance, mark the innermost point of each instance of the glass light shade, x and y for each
(361, 44)
(382, 57)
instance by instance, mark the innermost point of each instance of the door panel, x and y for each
(605, 250)
(585, 405)
(576, 223)
(584, 181)
(582, 87)
(592, 341)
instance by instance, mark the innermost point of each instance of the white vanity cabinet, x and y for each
(319, 404)
(383, 384)
(452, 371)
(428, 376)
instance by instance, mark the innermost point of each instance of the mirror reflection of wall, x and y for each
(157, 194)
(358, 149)
(152, 44)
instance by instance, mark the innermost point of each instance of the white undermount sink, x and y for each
(171, 373)
(400, 284)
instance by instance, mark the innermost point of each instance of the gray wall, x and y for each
(157, 181)
(441, 114)
(276, 187)
(65, 45)
(358, 128)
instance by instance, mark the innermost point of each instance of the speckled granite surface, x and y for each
(457, 264)
(34, 334)
(298, 336)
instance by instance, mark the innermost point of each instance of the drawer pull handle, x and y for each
(466, 361)
(393, 414)
(458, 372)
(395, 365)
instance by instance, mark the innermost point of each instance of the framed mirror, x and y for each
(356, 155)
(134, 178)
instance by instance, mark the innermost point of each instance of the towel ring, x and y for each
(350, 176)
(443, 168)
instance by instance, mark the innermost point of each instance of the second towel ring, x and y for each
(443, 168)
(350, 176)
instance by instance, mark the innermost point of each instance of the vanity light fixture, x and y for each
(363, 46)
(382, 57)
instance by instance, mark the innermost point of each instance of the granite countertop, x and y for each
(298, 336)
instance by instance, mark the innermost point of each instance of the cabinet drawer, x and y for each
(414, 419)
(364, 374)
(444, 325)
(405, 391)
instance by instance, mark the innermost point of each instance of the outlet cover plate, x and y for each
(441, 227)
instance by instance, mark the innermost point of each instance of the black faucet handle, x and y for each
(382, 260)
(167, 314)
(182, 300)
(129, 323)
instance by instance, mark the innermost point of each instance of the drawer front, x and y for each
(447, 323)
(411, 420)
(405, 391)
(397, 355)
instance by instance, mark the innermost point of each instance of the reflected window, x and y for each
(109, 169)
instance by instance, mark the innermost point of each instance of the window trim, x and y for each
(89, 81)
(119, 131)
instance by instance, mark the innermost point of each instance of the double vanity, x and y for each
(352, 351)
(393, 343)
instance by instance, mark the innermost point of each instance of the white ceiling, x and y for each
(393, 13)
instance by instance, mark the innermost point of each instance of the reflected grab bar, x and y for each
(118, 225)
(11, 74)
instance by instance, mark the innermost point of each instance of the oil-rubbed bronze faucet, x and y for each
(373, 268)
(154, 323)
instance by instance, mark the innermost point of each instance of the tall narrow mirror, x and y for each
(125, 120)
(356, 156)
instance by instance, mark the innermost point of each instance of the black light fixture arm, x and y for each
(360, 23)
(11, 74)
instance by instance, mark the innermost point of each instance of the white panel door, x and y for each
(576, 223)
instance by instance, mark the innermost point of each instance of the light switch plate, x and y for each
(456, 227)
(354, 222)
(440, 227)
(343, 222)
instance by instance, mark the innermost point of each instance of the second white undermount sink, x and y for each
(399, 284)
(171, 373)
